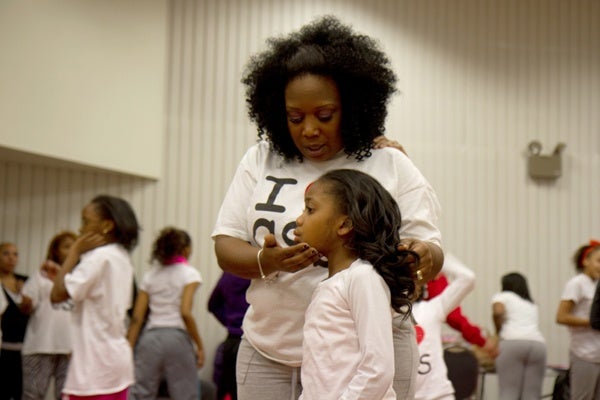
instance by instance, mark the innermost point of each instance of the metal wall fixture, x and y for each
(544, 166)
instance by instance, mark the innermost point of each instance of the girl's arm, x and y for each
(83, 243)
(462, 282)
(564, 315)
(595, 312)
(187, 301)
(498, 315)
(138, 317)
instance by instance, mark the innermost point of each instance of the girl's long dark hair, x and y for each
(516, 283)
(376, 221)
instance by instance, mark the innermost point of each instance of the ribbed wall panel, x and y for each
(478, 80)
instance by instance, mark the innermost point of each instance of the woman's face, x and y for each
(9, 257)
(314, 114)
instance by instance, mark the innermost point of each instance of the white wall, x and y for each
(478, 79)
(84, 81)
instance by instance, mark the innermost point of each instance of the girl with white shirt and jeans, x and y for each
(521, 363)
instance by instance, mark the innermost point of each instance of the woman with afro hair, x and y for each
(319, 99)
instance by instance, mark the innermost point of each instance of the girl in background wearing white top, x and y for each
(574, 311)
(47, 345)
(166, 348)
(348, 350)
(432, 380)
(97, 276)
(521, 363)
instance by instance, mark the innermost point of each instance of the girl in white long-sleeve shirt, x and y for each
(348, 350)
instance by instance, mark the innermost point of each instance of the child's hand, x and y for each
(50, 269)
(26, 305)
(199, 358)
(87, 242)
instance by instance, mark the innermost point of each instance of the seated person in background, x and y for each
(432, 378)
(457, 320)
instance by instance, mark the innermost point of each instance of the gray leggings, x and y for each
(259, 378)
(521, 366)
(585, 379)
(165, 353)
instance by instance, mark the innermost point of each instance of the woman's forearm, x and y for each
(237, 256)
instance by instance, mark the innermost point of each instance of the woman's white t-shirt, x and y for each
(267, 195)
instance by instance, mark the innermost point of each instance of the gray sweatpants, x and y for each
(520, 367)
(165, 353)
(585, 379)
(259, 378)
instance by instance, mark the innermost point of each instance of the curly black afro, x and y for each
(324, 47)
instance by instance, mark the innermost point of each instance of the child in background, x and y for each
(166, 347)
(97, 276)
(522, 361)
(458, 321)
(348, 349)
(574, 312)
(228, 304)
(14, 323)
(432, 381)
(47, 346)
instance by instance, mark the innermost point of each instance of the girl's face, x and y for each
(92, 222)
(63, 248)
(320, 221)
(314, 114)
(9, 257)
(591, 264)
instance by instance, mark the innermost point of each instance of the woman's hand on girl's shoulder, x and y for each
(423, 267)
